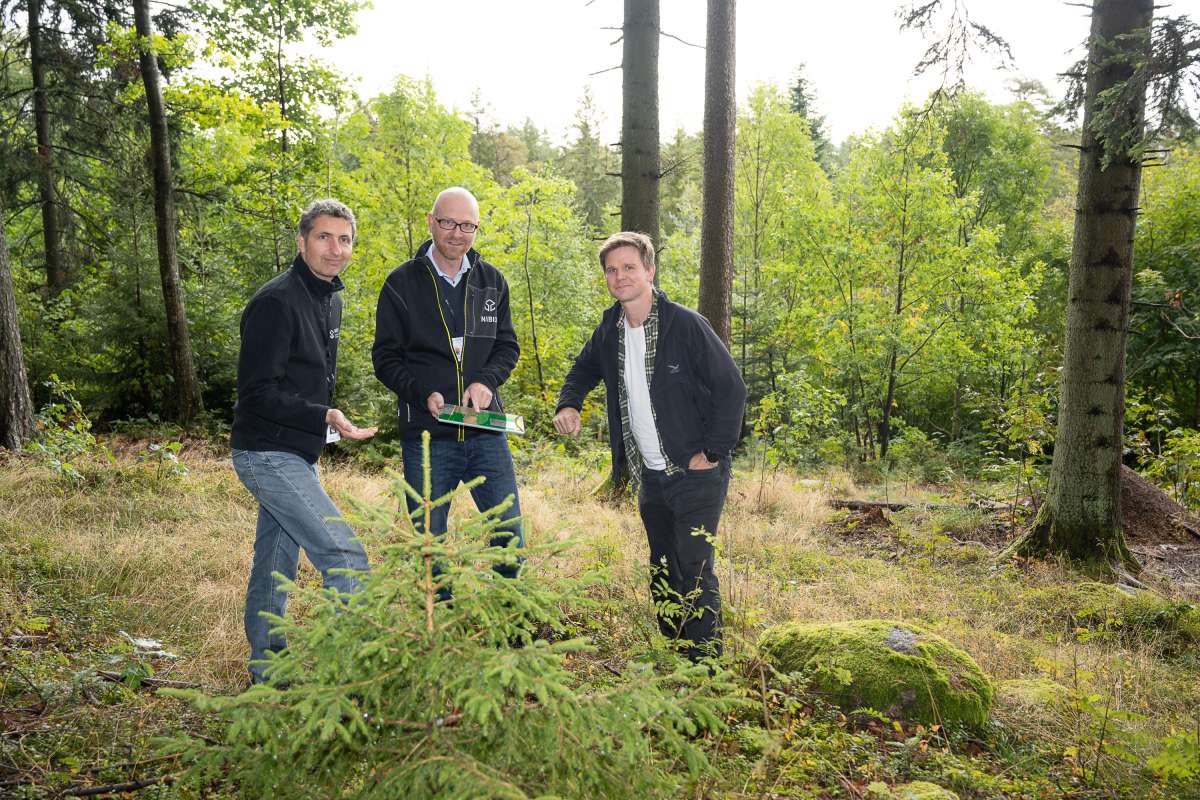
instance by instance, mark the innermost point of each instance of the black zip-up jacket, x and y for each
(413, 353)
(287, 363)
(696, 389)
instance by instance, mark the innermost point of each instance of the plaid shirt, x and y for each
(633, 456)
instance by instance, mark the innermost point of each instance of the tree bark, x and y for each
(56, 274)
(720, 115)
(889, 398)
(1081, 515)
(187, 403)
(1196, 405)
(16, 405)
(639, 119)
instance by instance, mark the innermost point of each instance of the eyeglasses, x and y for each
(449, 225)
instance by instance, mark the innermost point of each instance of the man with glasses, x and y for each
(444, 335)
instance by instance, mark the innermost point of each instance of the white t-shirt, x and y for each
(637, 392)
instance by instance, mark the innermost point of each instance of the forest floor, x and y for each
(137, 550)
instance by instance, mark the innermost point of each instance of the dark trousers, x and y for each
(681, 514)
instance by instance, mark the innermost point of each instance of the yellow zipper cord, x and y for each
(450, 342)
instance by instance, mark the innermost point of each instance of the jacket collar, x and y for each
(315, 285)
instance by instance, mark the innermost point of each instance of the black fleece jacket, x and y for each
(696, 389)
(287, 363)
(413, 354)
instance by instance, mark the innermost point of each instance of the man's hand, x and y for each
(567, 421)
(345, 427)
(477, 396)
(435, 403)
(700, 461)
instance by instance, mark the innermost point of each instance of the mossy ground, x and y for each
(166, 556)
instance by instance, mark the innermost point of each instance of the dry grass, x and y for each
(175, 555)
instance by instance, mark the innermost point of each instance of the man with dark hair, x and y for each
(444, 335)
(675, 402)
(283, 419)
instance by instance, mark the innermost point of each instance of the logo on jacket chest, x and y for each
(485, 313)
(489, 307)
(334, 333)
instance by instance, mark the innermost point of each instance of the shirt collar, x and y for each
(462, 270)
(653, 310)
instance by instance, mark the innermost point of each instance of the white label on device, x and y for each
(331, 435)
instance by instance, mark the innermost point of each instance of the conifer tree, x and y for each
(392, 692)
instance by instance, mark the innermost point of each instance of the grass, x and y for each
(166, 556)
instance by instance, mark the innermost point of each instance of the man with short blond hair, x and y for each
(675, 402)
(444, 335)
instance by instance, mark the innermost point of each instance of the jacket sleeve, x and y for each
(505, 349)
(714, 365)
(389, 354)
(585, 373)
(267, 331)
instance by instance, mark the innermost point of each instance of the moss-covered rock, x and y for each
(1140, 617)
(897, 668)
(922, 790)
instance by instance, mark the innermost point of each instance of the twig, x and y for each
(448, 721)
(115, 788)
(153, 683)
(676, 38)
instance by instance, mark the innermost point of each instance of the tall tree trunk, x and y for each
(716, 229)
(530, 201)
(889, 398)
(1081, 516)
(639, 119)
(183, 370)
(56, 274)
(16, 406)
(1196, 403)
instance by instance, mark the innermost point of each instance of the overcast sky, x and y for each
(534, 58)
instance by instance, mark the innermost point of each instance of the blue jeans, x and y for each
(293, 513)
(452, 462)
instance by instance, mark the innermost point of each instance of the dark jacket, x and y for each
(413, 355)
(287, 363)
(696, 389)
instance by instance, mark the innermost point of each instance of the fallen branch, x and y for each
(117, 788)
(866, 505)
(153, 683)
